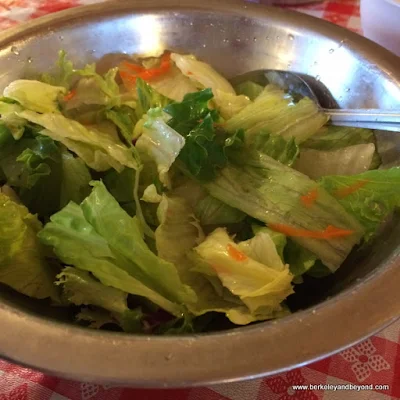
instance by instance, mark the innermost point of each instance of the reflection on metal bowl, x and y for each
(235, 38)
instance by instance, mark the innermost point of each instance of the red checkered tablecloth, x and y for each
(373, 362)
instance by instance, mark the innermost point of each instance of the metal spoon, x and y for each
(299, 85)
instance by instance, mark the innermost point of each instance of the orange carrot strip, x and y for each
(329, 233)
(70, 95)
(310, 198)
(350, 190)
(236, 254)
(164, 67)
(130, 72)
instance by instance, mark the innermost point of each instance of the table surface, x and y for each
(376, 361)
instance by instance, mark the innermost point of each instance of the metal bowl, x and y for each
(364, 295)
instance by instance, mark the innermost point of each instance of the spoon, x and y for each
(299, 85)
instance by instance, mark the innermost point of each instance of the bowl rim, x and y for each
(193, 360)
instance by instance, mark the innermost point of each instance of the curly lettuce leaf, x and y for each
(76, 242)
(99, 150)
(31, 166)
(34, 95)
(102, 237)
(80, 288)
(23, 265)
(370, 197)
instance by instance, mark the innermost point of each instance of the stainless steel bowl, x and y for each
(235, 38)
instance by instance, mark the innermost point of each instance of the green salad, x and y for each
(156, 197)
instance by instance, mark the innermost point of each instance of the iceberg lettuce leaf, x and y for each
(23, 265)
(34, 95)
(370, 197)
(99, 150)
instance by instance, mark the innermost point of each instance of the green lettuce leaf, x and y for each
(101, 238)
(207, 209)
(204, 76)
(22, 257)
(275, 146)
(177, 234)
(275, 111)
(261, 287)
(125, 119)
(299, 259)
(27, 161)
(33, 165)
(336, 137)
(262, 249)
(205, 148)
(162, 144)
(75, 179)
(64, 71)
(34, 95)
(250, 89)
(106, 84)
(11, 121)
(173, 84)
(330, 138)
(349, 160)
(211, 211)
(279, 239)
(148, 98)
(370, 197)
(271, 192)
(187, 114)
(99, 150)
(80, 288)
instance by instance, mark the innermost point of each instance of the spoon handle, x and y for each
(366, 118)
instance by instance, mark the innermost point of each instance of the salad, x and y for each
(156, 198)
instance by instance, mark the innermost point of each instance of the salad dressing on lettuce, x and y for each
(157, 197)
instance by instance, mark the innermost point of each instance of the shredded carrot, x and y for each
(329, 233)
(310, 198)
(350, 189)
(70, 95)
(164, 67)
(130, 72)
(236, 254)
(189, 73)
